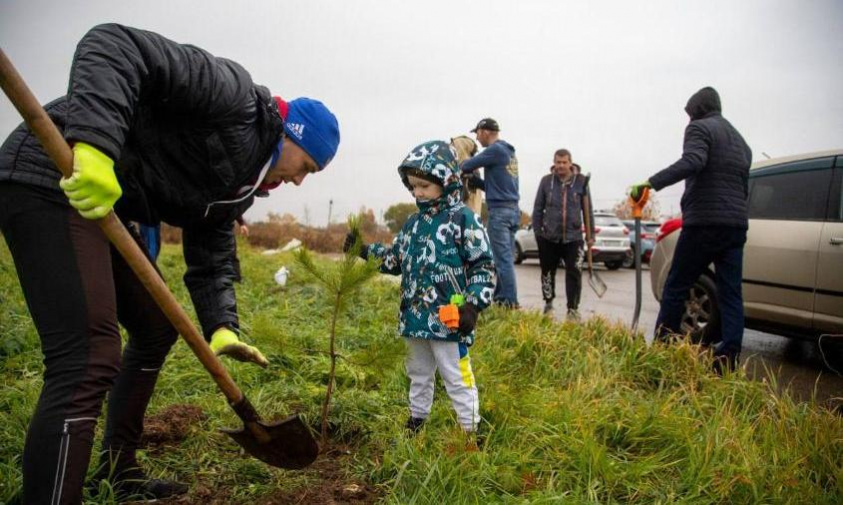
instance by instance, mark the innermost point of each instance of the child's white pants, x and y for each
(454, 364)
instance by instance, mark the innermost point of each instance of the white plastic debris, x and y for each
(281, 276)
(291, 245)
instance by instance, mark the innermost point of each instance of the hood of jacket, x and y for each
(509, 147)
(703, 102)
(437, 160)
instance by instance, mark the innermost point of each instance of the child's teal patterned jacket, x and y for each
(441, 250)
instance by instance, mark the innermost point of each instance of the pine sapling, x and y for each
(338, 281)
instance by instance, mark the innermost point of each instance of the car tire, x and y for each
(629, 261)
(701, 318)
(614, 265)
(519, 254)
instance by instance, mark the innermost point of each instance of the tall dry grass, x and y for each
(277, 231)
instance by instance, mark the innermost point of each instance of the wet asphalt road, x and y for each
(795, 364)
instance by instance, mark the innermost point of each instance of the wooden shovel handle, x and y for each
(56, 147)
(586, 216)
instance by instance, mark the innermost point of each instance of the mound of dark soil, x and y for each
(328, 484)
(171, 425)
(331, 485)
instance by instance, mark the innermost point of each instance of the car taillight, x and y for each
(669, 227)
(596, 230)
(625, 230)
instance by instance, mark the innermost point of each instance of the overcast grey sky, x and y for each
(607, 80)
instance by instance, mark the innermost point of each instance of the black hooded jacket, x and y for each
(715, 166)
(186, 130)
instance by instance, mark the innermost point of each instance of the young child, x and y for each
(441, 251)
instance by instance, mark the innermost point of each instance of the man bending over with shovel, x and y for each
(186, 138)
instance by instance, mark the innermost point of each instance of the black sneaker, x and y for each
(724, 363)
(134, 485)
(548, 308)
(414, 424)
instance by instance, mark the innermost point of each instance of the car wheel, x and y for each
(519, 254)
(701, 318)
(629, 261)
(614, 265)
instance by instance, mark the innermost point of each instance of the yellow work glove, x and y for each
(225, 342)
(636, 190)
(93, 187)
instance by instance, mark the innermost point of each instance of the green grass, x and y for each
(574, 413)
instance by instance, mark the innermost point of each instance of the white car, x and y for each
(611, 242)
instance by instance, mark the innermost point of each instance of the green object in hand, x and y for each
(225, 342)
(92, 188)
(635, 192)
(458, 300)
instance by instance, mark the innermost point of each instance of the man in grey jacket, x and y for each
(715, 167)
(561, 203)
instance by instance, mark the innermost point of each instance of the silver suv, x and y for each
(611, 241)
(793, 258)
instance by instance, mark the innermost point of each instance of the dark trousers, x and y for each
(697, 248)
(77, 288)
(550, 253)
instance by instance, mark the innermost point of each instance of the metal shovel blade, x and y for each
(597, 285)
(283, 444)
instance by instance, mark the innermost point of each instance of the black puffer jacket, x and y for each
(715, 166)
(558, 209)
(186, 129)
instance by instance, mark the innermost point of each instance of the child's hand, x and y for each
(350, 239)
(468, 318)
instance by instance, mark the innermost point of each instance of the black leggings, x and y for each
(550, 253)
(77, 288)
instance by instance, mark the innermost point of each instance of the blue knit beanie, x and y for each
(314, 128)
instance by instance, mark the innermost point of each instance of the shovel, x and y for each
(594, 280)
(637, 212)
(285, 444)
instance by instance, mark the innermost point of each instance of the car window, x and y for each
(835, 197)
(801, 195)
(607, 221)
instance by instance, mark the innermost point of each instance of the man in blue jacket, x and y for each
(715, 167)
(161, 131)
(501, 186)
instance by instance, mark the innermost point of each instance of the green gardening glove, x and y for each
(635, 192)
(93, 187)
(225, 342)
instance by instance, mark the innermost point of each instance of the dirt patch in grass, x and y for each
(171, 425)
(328, 484)
(331, 485)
